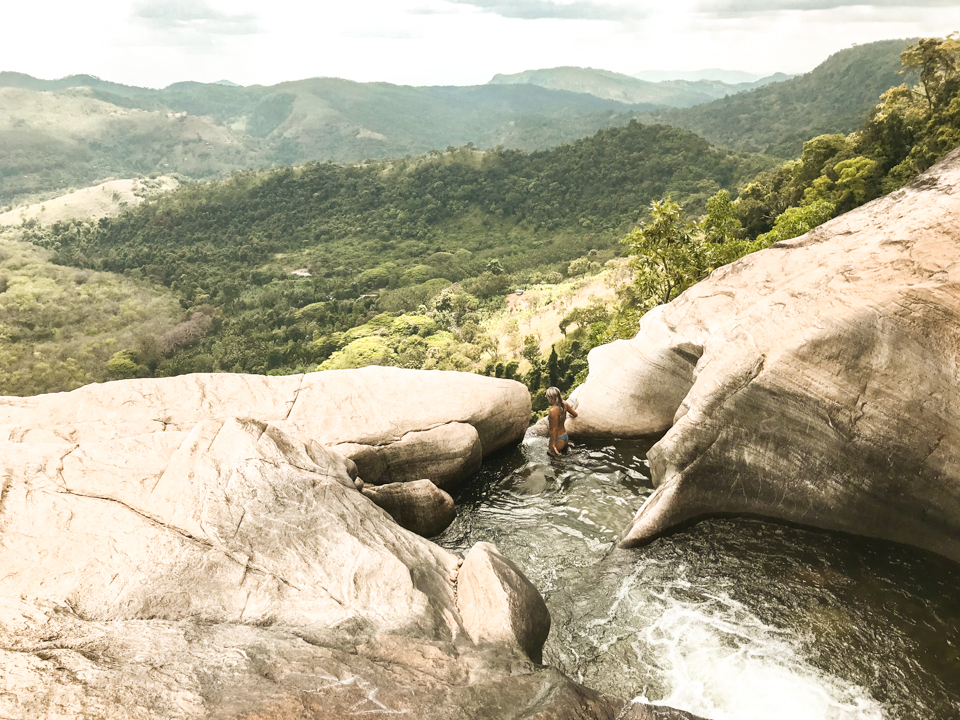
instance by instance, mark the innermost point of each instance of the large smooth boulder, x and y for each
(399, 424)
(814, 381)
(499, 604)
(450, 453)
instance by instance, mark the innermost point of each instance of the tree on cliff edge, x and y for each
(668, 254)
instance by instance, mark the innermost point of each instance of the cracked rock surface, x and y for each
(815, 381)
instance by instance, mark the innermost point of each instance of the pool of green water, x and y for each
(732, 619)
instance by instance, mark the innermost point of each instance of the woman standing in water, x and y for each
(556, 418)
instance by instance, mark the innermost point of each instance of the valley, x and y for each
(410, 262)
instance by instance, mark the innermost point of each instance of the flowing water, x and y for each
(732, 619)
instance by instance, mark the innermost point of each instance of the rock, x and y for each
(814, 382)
(498, 604)
(61, 667)
(451, 453)
(231, 522)
(419, 505)
(621, 400)
(444, 420)
(642, 711)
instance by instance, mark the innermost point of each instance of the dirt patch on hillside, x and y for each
(539, 310)
(91, 203)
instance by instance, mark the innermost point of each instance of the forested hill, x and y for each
(497, 219)
(778, 118)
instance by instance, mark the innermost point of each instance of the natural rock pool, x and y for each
(732, 619)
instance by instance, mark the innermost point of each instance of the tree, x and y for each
(123, 364)
(668, 254)
(417, 275)
(494, 267)
(796, 221)
(553, 367)
(585, 316)
(582, 266)
(938, 62)
(531, 350)
(721, 222)
(452, 305)
(849, 183)
(487, 284)
(820, 155)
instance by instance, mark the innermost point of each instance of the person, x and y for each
(556, 419)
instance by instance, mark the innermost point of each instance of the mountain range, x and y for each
(631, 90)
(76, 131)
(731, 77)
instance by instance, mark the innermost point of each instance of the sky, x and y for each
(154, 43)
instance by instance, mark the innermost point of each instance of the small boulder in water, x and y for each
(498, 604)
(419, 506)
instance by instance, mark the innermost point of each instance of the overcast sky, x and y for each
(432, 42)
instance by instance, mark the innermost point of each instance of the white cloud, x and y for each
(556, 9)
(193, 16)
(748, 8)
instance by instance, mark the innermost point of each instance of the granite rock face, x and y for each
(57, 666)
(193, 548)
(234, 521)
(815, 381)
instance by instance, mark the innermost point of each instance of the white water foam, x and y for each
(721, 662)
